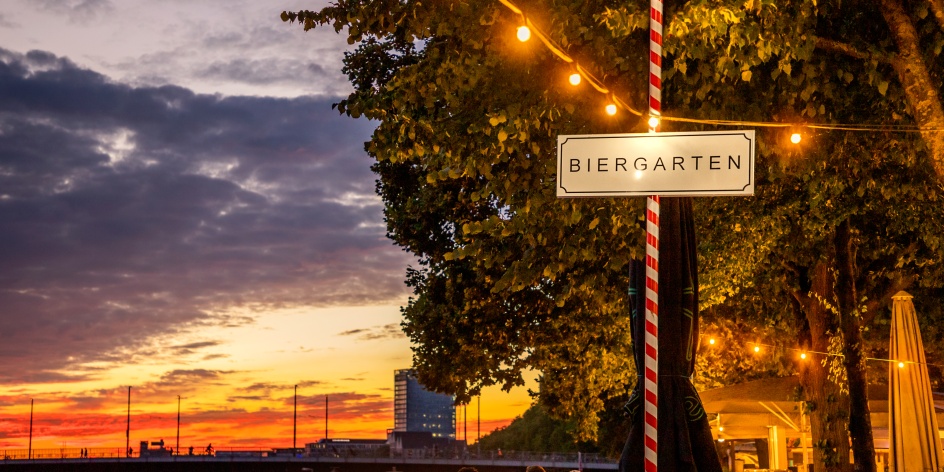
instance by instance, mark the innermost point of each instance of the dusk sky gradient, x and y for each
(182, 212)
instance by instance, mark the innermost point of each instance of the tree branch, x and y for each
(937, 8)
(848, 50)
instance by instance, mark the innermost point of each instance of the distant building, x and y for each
(416, 409)
(422, 444)
(348, 448)
(157, 451)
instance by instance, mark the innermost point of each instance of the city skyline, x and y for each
(183, 212)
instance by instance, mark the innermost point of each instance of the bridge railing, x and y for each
(269, 452)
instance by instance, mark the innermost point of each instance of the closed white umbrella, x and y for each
(914, 444)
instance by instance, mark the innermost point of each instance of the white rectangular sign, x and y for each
(670, 164)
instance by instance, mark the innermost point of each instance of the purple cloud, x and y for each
(131, 212)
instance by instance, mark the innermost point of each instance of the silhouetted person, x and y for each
(191, 451)
(209, 449)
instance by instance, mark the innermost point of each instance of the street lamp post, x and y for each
(177, 447)
(30, 453)
(128, 427)
(295, 421)
(478, 427)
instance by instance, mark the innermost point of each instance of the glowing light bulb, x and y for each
(711, 341)
(574, 79)
(795, 138)
(611, 109)
(720, 428)
(803, 355)
(901, 365)
(653, 122)
(720, 439)
(756, 348)
(524, 33)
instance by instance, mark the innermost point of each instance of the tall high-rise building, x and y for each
(416, 409)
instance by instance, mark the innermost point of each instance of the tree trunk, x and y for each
(860, 421)
(827, 407)
(920, 90)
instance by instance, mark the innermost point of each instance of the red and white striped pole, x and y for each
(651, 410)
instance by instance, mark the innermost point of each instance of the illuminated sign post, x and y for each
(656, 165)
(668, 164)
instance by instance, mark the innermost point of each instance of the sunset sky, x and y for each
(182, 212)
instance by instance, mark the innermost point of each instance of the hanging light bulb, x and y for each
(795, 138)
(524, 33)
(901, 365)
(711, 341)
(756, 348)
(574, 79)
(653, 122)
(611, 109)
(803, 355)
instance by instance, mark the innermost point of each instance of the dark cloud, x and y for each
(389, 331)
(265, 71)
(354, 332)
(6, 22)
(251, 51)
(344, 405)
(273, 66)
(191, 348)
(128, 213)
(77, 10)
(285, 387)
(179, 377)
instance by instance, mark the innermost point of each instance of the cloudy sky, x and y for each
(182, 213)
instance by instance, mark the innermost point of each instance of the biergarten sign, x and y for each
(669, 164)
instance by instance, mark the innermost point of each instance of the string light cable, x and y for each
(757, 348)
(601, 87)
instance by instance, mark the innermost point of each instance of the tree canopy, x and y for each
(512, 279)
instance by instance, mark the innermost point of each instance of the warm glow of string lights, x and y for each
(611, 109)
(805, 354)
(574, 79)
(653, 122)
(524, 33)
(711, 341)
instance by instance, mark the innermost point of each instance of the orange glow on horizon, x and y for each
(242, 393)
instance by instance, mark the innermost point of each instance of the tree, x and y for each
(512, 278)
(826, 42)
(534, 431)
